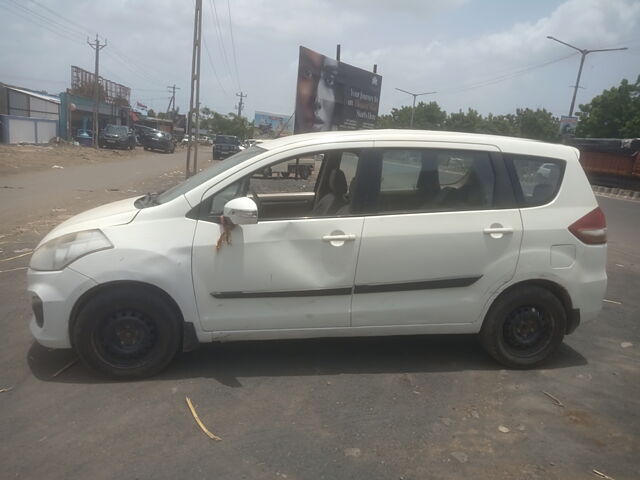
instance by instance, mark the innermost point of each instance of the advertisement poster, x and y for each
(333, 95)
(272, 125)
(568, 125)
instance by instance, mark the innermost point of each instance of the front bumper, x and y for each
(55, 294)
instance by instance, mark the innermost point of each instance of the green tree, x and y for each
(613, 114)
(471, 122)
(537, 124)
(428, 116)
(151, 113)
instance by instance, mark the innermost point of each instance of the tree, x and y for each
(471, 122)
(537, 125)
(427, 116)
(151, 113)
(613, 114)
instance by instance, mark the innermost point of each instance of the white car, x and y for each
(397, 233)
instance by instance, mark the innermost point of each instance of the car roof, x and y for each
(505, 144)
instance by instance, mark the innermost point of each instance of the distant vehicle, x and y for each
(301, 167)
(185, 139)
(225, 146)
(159, 140)
(142, 131)
(118, 136)
(204, 140)
(84, 137)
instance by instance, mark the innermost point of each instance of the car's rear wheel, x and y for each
(524, 327)
(127, 332)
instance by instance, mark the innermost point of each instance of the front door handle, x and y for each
(339, 238)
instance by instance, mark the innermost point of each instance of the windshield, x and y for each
(116, 129)
(208, 173)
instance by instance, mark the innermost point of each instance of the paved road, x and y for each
(394, 408)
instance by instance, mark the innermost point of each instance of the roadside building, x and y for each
(27, 116)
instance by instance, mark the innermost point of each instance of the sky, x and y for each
(489, 55)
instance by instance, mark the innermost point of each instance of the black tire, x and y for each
(127, 332)
(524, 327)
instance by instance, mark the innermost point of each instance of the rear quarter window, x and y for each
(536, 179)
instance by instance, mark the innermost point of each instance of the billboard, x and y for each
(82, 83)
(332, 95)
(568, 125)
(272, 125)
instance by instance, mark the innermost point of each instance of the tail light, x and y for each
(591, 229)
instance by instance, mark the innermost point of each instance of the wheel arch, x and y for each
(189, 339)
(573, 315)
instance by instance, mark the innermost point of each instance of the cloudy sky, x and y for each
(490, 55)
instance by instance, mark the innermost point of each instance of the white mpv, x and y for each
(393, 233)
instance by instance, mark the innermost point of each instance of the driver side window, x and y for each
(306, 186)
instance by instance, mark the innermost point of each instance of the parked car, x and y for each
(225, 146)
(118, 136)
(141, 132)
(400, 233)
(159, 140)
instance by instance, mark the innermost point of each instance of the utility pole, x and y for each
(584, 52)
(240, 104)
(194, 106)
(414, 95)
(172, 101)
(96, 87)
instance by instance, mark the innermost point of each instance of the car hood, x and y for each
(116, 213)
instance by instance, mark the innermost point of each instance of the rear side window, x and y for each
(422, 180)
(537, 179)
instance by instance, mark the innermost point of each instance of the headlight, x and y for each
(60, 252)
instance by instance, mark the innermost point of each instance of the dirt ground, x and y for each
(26, 158)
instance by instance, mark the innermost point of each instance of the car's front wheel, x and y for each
(127, 332)
(524, 327)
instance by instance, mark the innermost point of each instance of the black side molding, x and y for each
(321, 292)
(425, 285)
(374, 288)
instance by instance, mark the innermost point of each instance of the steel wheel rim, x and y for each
(126, 338)
(527, 330)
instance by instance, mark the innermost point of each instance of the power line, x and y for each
(233, 45)
(506, 76)
(214, 11)
(213, 68)
(20, 12)
(62, 30)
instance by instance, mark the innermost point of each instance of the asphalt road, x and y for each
(376, 408)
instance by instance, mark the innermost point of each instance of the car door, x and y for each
(294, 269)
(442, 234)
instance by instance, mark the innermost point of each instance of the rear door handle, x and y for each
(339, 238)
(491, 230)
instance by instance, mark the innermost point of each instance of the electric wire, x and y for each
(218, 29)
(233, 46)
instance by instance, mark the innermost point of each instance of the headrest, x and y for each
(338, 182)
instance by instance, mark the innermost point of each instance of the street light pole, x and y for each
(584, 52)
(414, 95)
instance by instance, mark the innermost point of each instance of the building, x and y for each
(27, 116)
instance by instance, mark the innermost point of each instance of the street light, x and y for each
(584, 53)
(414, 95)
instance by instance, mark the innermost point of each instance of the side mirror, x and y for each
(241, 211)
